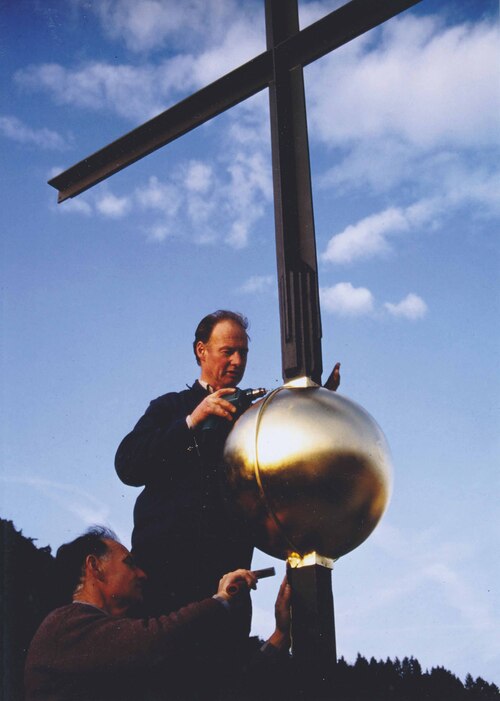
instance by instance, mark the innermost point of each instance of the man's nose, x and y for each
(140, 573)
(237, 358)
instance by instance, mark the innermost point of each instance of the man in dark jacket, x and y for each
(89, 650)
(184, 537)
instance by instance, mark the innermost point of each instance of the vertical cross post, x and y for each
(313, 629)
(294, 221)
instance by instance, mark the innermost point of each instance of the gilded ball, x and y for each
(307, 470)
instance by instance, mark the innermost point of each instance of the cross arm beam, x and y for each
(337, 28)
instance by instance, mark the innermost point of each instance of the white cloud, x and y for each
(158, 195)
(437, 563)
(204, 202)
(159, 232)
(421, 85)
(459, 188)
(345, 300)
(112, 206)
(403, 113)
(75, 206)
(257, 284)
(142, 91)
(411, 307)
(13, 128)
(364, 239)
(246, 195)
(145, 25)
(369, 237)
(71, 498)
(198, 176)
(130, 92)
(310, 12)
(243, 39)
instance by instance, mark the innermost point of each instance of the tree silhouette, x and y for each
(28, 591)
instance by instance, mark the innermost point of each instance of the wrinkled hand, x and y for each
(333, 381)
(281, 636)
(238, 582)
(214, 404)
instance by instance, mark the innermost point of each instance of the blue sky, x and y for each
(101, 295)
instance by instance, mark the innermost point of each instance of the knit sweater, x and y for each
(80, 653)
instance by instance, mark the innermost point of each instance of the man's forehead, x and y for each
(117, 548)
(229, 333)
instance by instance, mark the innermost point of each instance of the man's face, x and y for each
(223, 357)
(122, 580)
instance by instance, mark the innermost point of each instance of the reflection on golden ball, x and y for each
(308, 470)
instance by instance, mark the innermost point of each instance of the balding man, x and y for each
(89, 650)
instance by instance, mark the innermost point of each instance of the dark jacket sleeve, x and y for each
(160, 441)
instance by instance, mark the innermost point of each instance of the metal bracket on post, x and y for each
(313, 627)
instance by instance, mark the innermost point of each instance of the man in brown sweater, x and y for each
(90, 650)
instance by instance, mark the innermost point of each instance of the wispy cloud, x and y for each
(130, 91)
(81, 504)
(223, 36)
(246, 195)
(420, 84)
(112, 206)
(159, 196)
(369, 237)
(214, 204)
(159, 232)
(198, 176)
(148, 26)
(346, 300)
(366, 238)
(256, 284)
(404, 98)
(474, 189)
(13, 128)
(411, 307)
(343, 299)
(428, 560)
(205, 202)
(407, 124)
(74, 206)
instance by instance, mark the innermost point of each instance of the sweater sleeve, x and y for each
(84, 640)
(158, 444)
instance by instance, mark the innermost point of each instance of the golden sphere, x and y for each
(307, 470)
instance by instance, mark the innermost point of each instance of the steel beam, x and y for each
(340, 26)
(293, 207)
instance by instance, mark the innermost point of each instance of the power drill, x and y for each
(241, 399)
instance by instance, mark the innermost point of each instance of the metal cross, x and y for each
(279, 69)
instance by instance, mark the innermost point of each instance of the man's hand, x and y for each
(214, 405)
(281, 636)
(235, 583)
(333, 381)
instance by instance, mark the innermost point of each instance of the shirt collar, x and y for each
(206, 386)
(86, 603)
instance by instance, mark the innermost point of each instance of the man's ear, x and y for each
(93, 567)
(200, 351)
